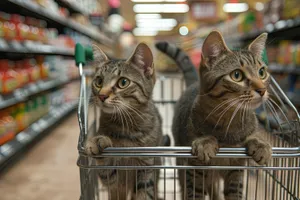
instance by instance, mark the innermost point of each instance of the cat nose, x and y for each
(261, 91)
(102, 97)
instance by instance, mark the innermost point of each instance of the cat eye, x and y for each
(123, 83)
(236, 75)
(262, 73)
(98, 82)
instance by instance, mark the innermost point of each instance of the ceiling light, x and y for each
(149, 1)
(161, 8)
(235, 7)
(159, 22)
(147, 16)
(156, 28)
(259, 6)
(141, 32)
(183, 30)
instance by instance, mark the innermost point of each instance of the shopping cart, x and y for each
(280, 180)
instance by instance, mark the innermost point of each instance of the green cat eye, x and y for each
(98, 82)
(262, 73)
(237, 75)
(123, 83)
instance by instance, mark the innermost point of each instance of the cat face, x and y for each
(123, 85)
(238, 75)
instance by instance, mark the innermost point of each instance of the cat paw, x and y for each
(260, 151)
(205, 148)
(97, 144)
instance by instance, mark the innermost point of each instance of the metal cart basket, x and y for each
(280, 180)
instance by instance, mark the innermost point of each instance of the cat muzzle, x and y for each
(103, 97)
(261, 91)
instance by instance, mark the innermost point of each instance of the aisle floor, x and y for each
(48, 170)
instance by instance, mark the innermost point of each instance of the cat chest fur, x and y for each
(228, 131)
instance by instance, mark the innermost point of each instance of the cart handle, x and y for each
(82, 54)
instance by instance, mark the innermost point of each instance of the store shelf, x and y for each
(56, 18)
(71, 6)
(29, 47)
(33, 132)
(280, 30)
(22, 94)
(289, 69)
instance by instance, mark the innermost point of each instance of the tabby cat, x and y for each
(218, 111)
(128, 118)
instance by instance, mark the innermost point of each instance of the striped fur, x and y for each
(219, 112)
(182, 60)
(128, 118)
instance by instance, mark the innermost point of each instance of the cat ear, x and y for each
(258, 45)
(213, 46)
(143, 59)
(99, 55)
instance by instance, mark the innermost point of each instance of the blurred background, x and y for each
(39, 82)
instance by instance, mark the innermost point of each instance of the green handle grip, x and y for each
(82, 54)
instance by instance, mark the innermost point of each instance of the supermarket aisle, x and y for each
(49, 170)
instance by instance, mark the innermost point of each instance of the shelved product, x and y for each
(280, 24)
(27, 35)
(24, 139)
(288, 53)
(19, 116)
(37, 79)
(54, 17)
(40, 74)
(73, 6)
(285, 57)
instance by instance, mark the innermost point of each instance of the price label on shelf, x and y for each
(17, 46)
(43, 123)
(7, 149)
(3, 44)
(33, 87)
(36, 127)
(30, 4)
(20, 94)
(23, 137)
(40, 84)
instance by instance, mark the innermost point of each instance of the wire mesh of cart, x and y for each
(279, 180)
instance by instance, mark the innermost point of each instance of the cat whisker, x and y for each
(245, 112)
(219, 106)
(132, 121)
(274, 110)
(284, 115)
(233, 115)
(133, 108)
(121, 116)
(267, 118)
(125, 119)
(243, 116)
(224, 111)
(113, 115)
(137, 112)
(274, 113)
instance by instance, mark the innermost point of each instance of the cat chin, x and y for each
(107, 109)
(254, 105)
